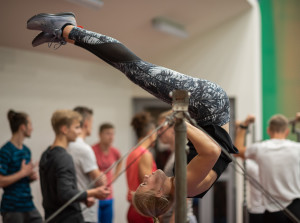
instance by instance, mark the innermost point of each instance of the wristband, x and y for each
(243, 126)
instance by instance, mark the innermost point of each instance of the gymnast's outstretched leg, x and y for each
(209, 103)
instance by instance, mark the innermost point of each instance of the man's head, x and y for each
(19, 122)
(66, 123)
(87, 119)
(278, 126)
(106, 133)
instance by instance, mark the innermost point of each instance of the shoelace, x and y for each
(56, 45)
(57, 35)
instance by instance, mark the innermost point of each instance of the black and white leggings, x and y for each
(209, 103)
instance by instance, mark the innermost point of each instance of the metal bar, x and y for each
(180, 106)
(180, 170)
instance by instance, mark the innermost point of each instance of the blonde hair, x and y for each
(278, 123)
(148, 204)
(64, 117)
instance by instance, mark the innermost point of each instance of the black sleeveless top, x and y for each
(223, 139)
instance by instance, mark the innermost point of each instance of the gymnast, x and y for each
(208, 106)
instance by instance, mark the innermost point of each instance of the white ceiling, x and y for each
(129, 21)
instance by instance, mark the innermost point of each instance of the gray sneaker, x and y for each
(47, 38)
(51, 23)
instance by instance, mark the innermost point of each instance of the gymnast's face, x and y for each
(155, 181)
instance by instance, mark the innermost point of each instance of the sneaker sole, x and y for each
(51, 15)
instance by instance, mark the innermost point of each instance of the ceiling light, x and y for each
(171, 27)
(95, 4)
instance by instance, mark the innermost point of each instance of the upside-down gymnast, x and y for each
(208, 105)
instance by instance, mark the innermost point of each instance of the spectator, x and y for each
(16, 173)
(106, 156)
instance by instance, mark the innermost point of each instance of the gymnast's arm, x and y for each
(200, 175)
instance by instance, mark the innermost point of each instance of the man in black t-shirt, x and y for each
(57, 172)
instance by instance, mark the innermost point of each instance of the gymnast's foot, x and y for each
(51, 24)
(48, 38)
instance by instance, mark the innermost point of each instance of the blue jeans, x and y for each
(105, 211)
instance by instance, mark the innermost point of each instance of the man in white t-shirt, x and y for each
(85, 163)
(279, 160)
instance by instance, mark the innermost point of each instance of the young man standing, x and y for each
(16, 173)
(57, 172)
(85, 162)
(106, 155)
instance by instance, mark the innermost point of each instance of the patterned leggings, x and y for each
(208, 104)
